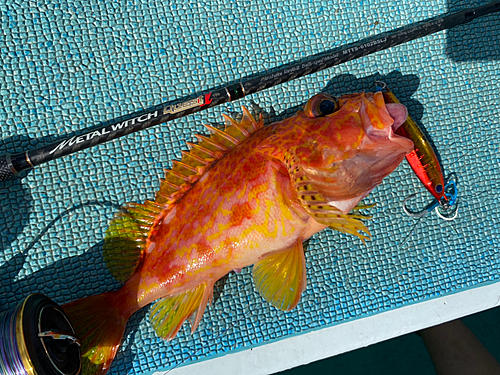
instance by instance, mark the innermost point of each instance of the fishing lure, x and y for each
(246, 195)
(425, 163)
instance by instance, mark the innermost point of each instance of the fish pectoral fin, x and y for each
(315, 204)
(168, 314)
(127, 237)
(280, 277)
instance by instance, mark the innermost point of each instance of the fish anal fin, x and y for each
(280, 277)
(128, 236)
(168, 314)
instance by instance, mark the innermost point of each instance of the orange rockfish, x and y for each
(247, 195)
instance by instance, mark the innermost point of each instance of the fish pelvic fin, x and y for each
(128, 236)
(203, 155)
(315, 204)
(168, 314)
(280, 277)
(100, 327)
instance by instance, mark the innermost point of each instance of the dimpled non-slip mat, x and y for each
(68, 65)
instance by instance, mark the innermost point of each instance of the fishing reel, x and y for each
(38, 339)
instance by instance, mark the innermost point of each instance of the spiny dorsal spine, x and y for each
(204, 155)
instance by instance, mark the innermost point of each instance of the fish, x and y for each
(246, 195)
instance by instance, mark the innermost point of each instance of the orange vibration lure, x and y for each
(424, 162)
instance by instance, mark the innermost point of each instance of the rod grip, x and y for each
(7, 171)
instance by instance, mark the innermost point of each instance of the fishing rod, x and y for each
(11, 165)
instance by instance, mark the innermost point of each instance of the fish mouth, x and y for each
(380, 120)
(398, 112)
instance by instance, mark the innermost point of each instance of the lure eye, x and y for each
(438, 189)
(321, 105)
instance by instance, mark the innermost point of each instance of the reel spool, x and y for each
(36, 338)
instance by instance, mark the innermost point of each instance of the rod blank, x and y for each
(11, 165)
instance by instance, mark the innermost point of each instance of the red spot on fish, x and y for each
(239, 212)
(204, 250)
(253, 168)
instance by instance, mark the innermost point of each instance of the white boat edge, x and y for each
(354, 334)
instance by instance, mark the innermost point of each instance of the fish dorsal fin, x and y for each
(317, 206)
(203, 155)
(168, 314)
(280, 277)
(127, 237)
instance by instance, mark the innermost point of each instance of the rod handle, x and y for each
(7, 170)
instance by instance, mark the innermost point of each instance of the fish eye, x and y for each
(327, 107)
(321, 105)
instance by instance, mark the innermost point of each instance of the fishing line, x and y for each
(472, 149)
(11, 165)
(10, 357)
(36, 338)
(60, 216)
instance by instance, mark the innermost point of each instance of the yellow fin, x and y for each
(127, 237)
(317, 206)
(203, 155)
(168, 314)
(359, 215)
(362, 206)
(280, 278)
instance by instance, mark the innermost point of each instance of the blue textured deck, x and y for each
(71, 64)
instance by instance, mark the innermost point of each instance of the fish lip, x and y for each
(398, 112)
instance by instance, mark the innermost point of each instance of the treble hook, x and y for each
(452, 201)
(418, 214)
(438, 206)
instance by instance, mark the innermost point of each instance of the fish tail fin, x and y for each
(99, 324)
